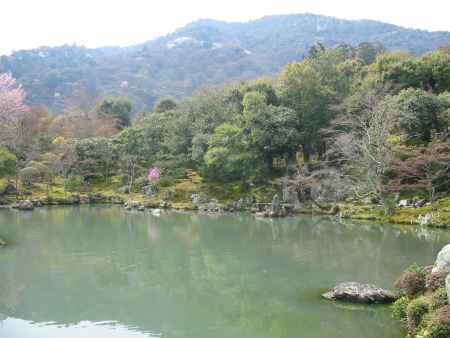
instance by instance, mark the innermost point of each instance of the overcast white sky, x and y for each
(34, 23)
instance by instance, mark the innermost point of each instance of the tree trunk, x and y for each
(130, 180)
(17, 185)
(386, 206)
(306, 153)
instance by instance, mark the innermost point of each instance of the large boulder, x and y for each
(360, 293)
(10, 189)
(198, 199)
(24, 205)
(442, 260)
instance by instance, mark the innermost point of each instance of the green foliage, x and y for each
(306, 90)
(44, 172)
(421, 113)
(362, 98)
(399, 308)
(430, 72)
(29, 176)
(165, 181)
(72, 183)
(117, 108)
(164, 104)
(229, 156)
(141, 182)
(95, 157)
(439, 325)
(8, 163)
(272, 131)
(415, 311)
(439, 298)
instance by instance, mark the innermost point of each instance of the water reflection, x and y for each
(191, 275)
(12, 327)
(151, 232)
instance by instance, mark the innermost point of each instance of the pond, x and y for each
(103, 272)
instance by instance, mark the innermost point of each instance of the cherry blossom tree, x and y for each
(12, 109)
(153, 174)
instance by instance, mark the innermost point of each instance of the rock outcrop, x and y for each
(360, 293)
(443, 260)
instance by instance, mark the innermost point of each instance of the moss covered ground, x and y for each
(179, 192)
(406, 215)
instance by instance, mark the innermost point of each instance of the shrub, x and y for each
(415, 311)
(72, 184)
(399, 308)
(40, 167)
(439, 325)
(436, 280)
(8, 163)
(165, 181)
(29, 175)
(412, 281)
(439, 298)
(140, 182)
(123, 179)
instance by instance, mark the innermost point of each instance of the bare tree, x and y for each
(365, 149)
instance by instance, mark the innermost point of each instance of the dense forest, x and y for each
(72, 79)
(340, 126)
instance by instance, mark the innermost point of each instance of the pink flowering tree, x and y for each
(12, 109)
(153, 174)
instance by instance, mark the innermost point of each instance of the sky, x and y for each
(28, 24)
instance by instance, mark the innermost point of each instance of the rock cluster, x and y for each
(274, 209)
(130, 205)
(242, 204)
(360, 293)
(204, 204)
(24, 205)
(416, 203)
(431, 219)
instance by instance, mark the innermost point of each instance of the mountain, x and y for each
(205, 52)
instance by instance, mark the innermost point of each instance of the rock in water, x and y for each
(24, 205)
(360, 293)
(442, 260)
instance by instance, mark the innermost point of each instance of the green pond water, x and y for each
(95, 272)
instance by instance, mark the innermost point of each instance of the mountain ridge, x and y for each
(202, 53)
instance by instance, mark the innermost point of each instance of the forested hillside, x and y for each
(73, 78)
(335, 130)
